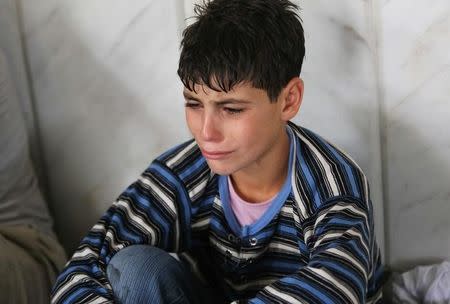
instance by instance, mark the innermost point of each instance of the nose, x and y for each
(210, 127)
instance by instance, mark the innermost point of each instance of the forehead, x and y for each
(241, 90)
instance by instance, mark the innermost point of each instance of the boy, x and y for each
(258, 209)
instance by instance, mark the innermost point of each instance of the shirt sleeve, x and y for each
(153, 210)
(341, 241)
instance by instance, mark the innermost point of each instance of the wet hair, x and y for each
(260, 42)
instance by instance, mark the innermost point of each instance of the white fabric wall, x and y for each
(104, 77)
(11, 46)
(108, 101)
(415, 52)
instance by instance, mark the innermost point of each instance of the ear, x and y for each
(291, 98)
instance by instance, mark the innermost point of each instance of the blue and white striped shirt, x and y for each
(315, 243)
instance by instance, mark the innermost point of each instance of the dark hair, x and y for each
(234, 41)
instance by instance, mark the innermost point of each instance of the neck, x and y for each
(265, 179)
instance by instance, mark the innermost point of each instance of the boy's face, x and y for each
(236, 131)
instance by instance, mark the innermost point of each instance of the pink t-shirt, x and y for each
(245, 212)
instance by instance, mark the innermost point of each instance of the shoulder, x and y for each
(179, 155)
(186, 165)
(327, 167)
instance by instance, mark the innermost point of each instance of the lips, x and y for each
(215, 155)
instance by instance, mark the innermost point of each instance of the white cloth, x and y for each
(30, 255)
(21, 201)
(423, 284)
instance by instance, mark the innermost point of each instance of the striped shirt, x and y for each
(315, 243)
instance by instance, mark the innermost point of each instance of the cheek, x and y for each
(191, 121)
(248, 133)
(259, 131)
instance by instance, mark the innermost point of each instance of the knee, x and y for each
(139, 260)
(137, 270)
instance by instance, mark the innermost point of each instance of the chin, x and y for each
(221, 170)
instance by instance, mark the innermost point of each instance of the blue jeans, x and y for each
(146, 274)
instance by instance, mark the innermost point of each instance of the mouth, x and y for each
(215, 155)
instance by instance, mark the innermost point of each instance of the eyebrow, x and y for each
(218, 102)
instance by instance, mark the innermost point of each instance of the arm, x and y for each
(342, 252)
(154, 210)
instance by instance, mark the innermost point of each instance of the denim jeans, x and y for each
(146, 274)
